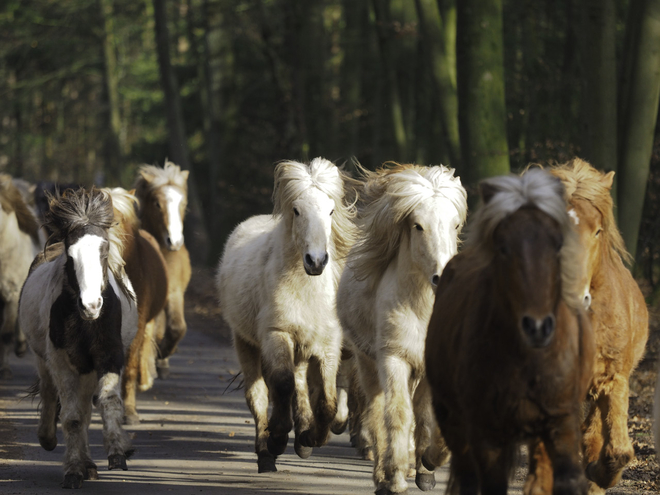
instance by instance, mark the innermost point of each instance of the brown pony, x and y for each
(619, 318)
(163, 195)
(509, 349)
(146, 270)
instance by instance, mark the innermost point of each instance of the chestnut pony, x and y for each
(163, 196)
(619, 318)
(146, 270)
(509, 350)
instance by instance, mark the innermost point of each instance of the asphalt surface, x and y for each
(196, 437)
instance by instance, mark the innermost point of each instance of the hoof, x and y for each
(266, 462)
(302, 451)
(117, 461)
(48, 443)
(5, 374)
(163, 371)
(72, 480)
(132, 419)
(339, 428)
(91, 472)
(425, 481)
(20, 348)
(277, 444)
(306, 439)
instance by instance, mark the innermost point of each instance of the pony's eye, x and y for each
(296, 212)
(332, 212)
(418, 227)
(598, 232)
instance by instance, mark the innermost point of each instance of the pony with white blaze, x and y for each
(277, 282)
(409, 225)
(78, 312)
(19, 243)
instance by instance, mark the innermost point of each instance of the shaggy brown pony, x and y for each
(509, 350)
(163, 195)
(619, 318)
(146, 270)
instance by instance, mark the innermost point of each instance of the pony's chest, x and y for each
(90, 345)
(310, 303)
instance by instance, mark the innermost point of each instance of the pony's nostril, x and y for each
(308, 260)
(80, 303)
(528, 325)
(325, 259)
(548, 326)
(435, 280)
(169, 241)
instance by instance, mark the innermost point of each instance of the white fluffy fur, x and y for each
(277, 312)
(385, 300)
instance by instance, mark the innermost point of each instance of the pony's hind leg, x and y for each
(8, 312)
(47, 431)
(617, 450)
(130, 375)
(175, 326)
(256, 396)
(539, 477)
(323, 375)
(277, 354)
(147, 358)
(115, 440)
(340, 421)
(429, 444)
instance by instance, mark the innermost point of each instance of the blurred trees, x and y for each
(88, 92)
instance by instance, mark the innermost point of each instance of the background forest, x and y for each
(91, 89)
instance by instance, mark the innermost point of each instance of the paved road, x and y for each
(194, 438)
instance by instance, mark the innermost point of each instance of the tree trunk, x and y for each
(198, 243)
(638, 115)
(437, 33)
(391, 88)
(114, 147)
(599, 111)
(480, 74)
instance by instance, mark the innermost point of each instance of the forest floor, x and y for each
(197, 435)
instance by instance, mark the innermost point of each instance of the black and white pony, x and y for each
(78, 312)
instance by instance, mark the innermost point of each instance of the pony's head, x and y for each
(590, 207)
(310, 199)
(523, 227)
(422, 206)
(81, 220)
(163, 195)
(12, 200)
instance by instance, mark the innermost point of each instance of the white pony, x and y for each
(19, 243)
(78, 312)
(410, 221)
(277, 282)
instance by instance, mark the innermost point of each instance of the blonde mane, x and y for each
(151, 177)
(293, 178)
(388, 196)
(125, 225)
(539, 189)
(582, 181)
(11, 200)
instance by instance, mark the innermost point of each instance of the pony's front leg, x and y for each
(256, 396)
(324, 372)
(562, 443)
(617, 450)
(130, 375)
(9, 310)
(303, 417)
(277, 354)
(394, 374)
(75, 393)
(47, 431)
(429, 443)
(115, 440)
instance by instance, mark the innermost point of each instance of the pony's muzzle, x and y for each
(90, 310)
(173, 245)
(538, 332)
(314, 264)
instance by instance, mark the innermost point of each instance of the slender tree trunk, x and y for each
(391, 87)
(638, 115)
(600, 86)
(435, 31)
(113, 144)
(481, 107)
(178, 147)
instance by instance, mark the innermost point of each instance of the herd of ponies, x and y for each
(378, 307)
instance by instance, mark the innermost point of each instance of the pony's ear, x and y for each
(184, 174)
(608, 179)
(147, 176)
(132, 192)
(487, 191)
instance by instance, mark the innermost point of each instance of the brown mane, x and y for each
(11, 200)
(583, 181)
